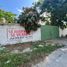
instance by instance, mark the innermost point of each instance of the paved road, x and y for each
(57, 59)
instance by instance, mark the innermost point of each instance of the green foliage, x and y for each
(8, 59)
(58, 10)
(29, 19)
(8, 16)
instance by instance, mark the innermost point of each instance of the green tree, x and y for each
(58, 10)
(29, 19)
(8, 16)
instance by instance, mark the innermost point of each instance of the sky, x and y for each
(15, 6)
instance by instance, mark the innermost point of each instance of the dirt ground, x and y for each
(22, 46)
(60, 41)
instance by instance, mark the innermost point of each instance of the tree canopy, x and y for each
(8, 16)
(58, 10)
(29, 19)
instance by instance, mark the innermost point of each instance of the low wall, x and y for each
(62, 32)
(12, 34)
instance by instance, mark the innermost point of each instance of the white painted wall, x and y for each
(7, 32)
(62, 32)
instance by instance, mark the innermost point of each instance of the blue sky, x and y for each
(14, 6)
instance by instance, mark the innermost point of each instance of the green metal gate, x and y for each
(49, 32)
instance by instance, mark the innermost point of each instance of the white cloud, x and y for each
(19, 10)
(36, 0)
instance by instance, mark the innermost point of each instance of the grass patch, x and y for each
(8, 59)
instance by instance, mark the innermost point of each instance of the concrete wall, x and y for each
(12, 34)
(62, 32)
